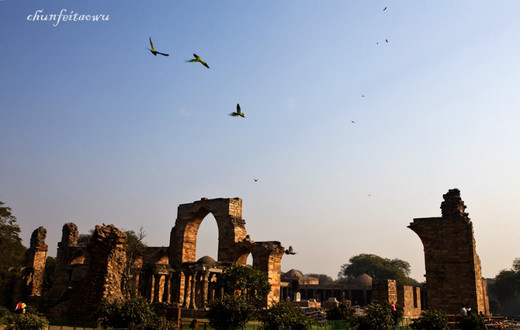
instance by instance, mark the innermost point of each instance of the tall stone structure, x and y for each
(453, 271)
(107, 250)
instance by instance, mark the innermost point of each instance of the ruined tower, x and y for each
(453, 272)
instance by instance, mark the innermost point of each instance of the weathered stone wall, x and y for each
(453, 271)
(107, 250)
(36, 257)
(409, 298)
(384, 291)
(67, 252)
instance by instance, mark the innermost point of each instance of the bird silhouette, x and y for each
(198, 59)
(353, 122)
(386, 40)
(153, 51)
(384, 9)
(238, 112)
(256, 180)
(290, 251)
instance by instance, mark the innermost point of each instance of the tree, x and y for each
(12, 252)
(230, 313)
(284, 315)
(377, 317)
(322, 278)
(246, 282)
(377, 267)
(504, 290)
(431, 320)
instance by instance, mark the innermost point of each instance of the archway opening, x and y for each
(207, 238)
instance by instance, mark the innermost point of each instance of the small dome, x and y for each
(207, 260)
(362, 280)
(293, 273)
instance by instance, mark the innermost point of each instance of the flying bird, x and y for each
(386, 40)
(198, 59)
(153, 51)
(238, 112)
(384, 9)
(290, 251)
(256, 180)
(353, 122)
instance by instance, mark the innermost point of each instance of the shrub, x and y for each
(134, 313)
(471, 322)
(431, 320)
(343, 312)
(377, 317)
(24, 322)
(230, 313)
(285, 315)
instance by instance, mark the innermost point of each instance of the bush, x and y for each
(377, 317)
(431, 320)
(134, 313)
(24, 322)
(230, 313)
(343, 312)
(471, 322)
(285, 315)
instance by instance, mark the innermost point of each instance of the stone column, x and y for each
(187, 290)
(193, 304)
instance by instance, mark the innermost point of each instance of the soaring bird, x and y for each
(198, 59)
(256, 180)
(290, 251)
(384, 9)
(238, 112)
(153, 51)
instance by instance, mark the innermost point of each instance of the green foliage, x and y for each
(343, 312)
(504, 291)
(471, 322)
(431, 320)
(12, 253)
(230, 312)
(50, 265)
(322, 278)
(377, 267)
(284, 315)
(134, 249)
(135, 313)
(26, 321)
(246, 282)
(377, 317)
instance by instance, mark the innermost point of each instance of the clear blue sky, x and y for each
(96, 129)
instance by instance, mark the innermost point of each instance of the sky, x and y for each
(357, 120)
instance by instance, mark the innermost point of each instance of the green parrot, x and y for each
(238, 113)
(198, 59)
(153, 51)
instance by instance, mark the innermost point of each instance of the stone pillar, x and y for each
(107, 250)
(267, 257)
(157, 288)
(193, 294)
(187, 290)
(453, 270)
(205, 289)
(36, 257)
(62, 270)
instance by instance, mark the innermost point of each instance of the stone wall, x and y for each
(409, 298)
(453, 271)
(384, 291)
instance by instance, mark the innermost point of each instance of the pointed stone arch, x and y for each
(231, 229)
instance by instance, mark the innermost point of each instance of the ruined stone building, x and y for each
(84, 276)
(362, 291)
(453, 272)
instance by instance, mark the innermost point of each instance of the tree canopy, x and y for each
(504, 290)
(377, 267)
(245, 281)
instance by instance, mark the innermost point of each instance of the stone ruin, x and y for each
(453, 272)
(85, 276)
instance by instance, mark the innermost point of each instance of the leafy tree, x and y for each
(134, 313)
(246, 282)
(12, 253)
(431, 320)
(323, 278)
(504, 290)
(230, 312)
(285, 315)
(377, 267)
(377, 317)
